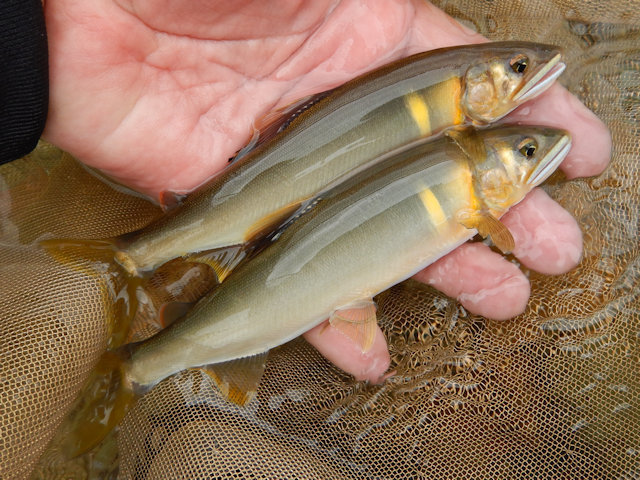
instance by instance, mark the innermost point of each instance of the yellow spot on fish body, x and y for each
(433, 208)
(445, 101)
(419, 112)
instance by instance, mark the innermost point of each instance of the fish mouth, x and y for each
(551, 161)
(543, 78)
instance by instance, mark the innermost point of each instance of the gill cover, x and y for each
(508, 161)
(516, 73)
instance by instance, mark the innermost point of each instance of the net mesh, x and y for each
(553, 393)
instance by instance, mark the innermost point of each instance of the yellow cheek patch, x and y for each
(433, 207)
(419, 112)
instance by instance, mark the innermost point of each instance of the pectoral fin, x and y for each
(468, 140)
(222, 260)
(487, 225)
(238, 380)
(358, 322)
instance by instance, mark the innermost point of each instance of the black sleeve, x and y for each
(24, 77)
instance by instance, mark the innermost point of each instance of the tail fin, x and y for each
(95, 258)
(102, 404)
(109, 394)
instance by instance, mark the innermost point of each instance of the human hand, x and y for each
(160, 94)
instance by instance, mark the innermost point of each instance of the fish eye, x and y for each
(519, 63)
(528, 147)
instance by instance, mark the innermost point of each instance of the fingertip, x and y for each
(375, 362)
(588, 157)
(347, 355)
(591, 146)
(548, 239)
(481, 280)
(506, 299)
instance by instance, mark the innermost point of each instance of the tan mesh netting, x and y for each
(551, 394)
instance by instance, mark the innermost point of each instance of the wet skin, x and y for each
(160, 94)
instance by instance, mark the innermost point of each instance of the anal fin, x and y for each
(222, 260)
(358, 322)
(276, 121)
(487, 225)
(238, 379)
(270, 222)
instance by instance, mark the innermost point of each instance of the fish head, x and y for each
(507, 76)
(507, 162)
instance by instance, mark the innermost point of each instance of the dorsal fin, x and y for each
(276, 121)
(169, 200)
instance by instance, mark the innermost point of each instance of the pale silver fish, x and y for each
(329, 135)
(374, 230)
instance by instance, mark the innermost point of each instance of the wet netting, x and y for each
(551, 394)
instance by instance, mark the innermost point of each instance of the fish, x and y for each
(376, 229)
(322, 139)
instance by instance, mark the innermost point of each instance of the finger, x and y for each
(591, 141)
(548, 239)
(345, 354)
(481, 280)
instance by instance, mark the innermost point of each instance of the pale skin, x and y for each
(159, 94)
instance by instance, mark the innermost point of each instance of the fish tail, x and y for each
(97, 259)
(104, 401)
(72, 252)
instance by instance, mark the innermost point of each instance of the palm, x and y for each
(161, 101)
(159, 94)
